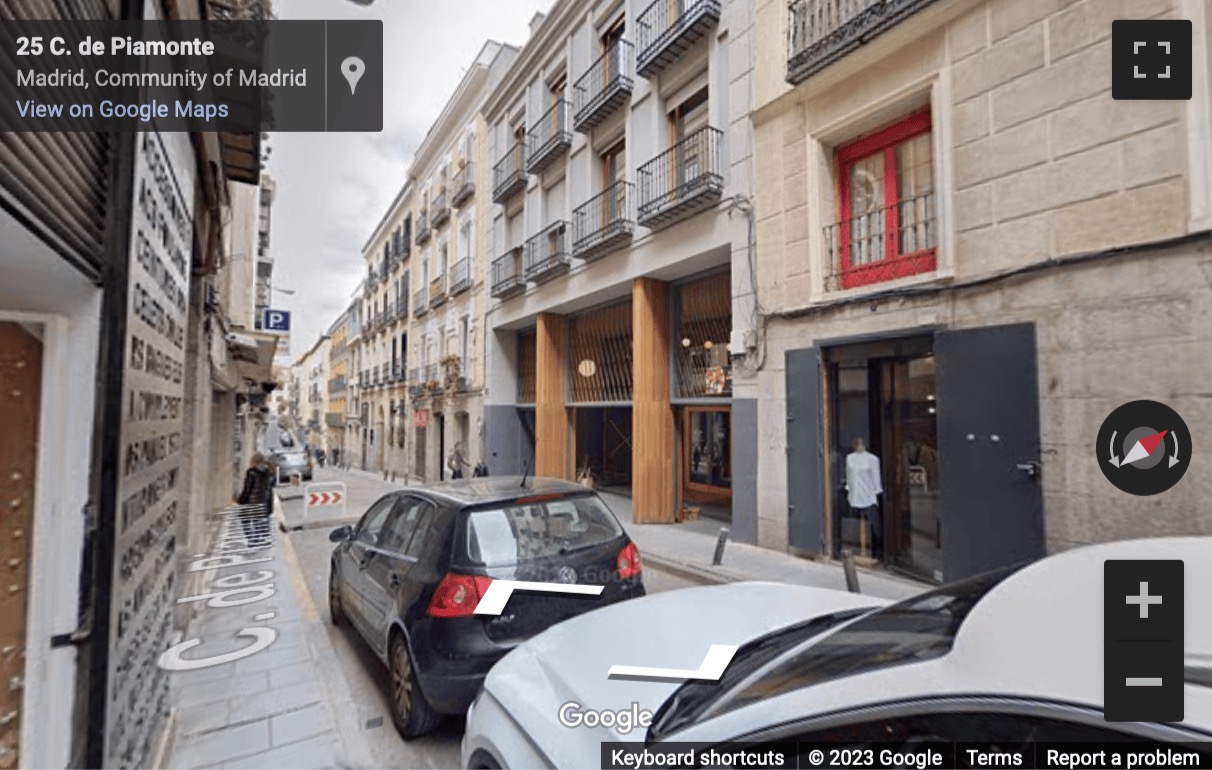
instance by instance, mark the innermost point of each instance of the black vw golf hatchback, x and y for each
(411, 573)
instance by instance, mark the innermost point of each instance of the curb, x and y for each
(686, 570)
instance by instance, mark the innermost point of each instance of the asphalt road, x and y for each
(365, 676)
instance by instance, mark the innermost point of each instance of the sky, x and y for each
(332, 189)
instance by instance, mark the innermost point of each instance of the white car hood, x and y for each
(570, 661)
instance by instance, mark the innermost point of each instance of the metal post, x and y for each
(851, 571)
(719, 546)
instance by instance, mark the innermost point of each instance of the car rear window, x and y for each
(523, 531)
(293, 458)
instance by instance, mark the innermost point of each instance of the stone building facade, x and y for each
(968, 255)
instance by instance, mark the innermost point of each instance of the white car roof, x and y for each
(1036, 636)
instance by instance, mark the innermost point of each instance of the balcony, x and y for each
(549, 139)
(437, 292)
(423, 230)
(460, 276)
(420, 302)
(822, 31)
(507, 274)
(397, 372)
(604, 87)
(463, 184)
(334, 420)
(508, 178)
(682, 181)
(883, 244)
(604, 223)
(402, 307)
(434, 379)
(668, 29)
(337, 384)
(547, 253)
(416, 382)
(441, 210)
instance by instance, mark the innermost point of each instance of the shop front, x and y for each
(918, 450)
(702, 311)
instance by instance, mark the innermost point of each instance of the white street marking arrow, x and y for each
(498, 593)
(711, 669)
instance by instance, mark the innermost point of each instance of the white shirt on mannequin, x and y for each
(863, 478)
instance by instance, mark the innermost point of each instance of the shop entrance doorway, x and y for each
(884, 394)
(603, 445)
(706, 461)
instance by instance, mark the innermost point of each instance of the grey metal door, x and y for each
(805, 460)
(990, 503)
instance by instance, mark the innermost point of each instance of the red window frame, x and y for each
(894, 264)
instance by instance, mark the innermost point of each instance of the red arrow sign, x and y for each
(323, 498)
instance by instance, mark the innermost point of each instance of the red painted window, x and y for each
(888, 226)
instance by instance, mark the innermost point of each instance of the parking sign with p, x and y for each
(276, 321)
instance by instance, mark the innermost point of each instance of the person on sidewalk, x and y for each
(863, 487)
(259, 491)
(455, 462)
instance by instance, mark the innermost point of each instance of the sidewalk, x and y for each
(688, 549)
(273, 707)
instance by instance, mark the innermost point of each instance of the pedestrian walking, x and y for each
(455, 461)
(258, 491)
(863, 487)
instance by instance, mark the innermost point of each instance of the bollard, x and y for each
(719, 546)
(851, 571)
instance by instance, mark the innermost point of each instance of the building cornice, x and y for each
(554, 31)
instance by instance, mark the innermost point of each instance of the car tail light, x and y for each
(458, 595)
(629, 561)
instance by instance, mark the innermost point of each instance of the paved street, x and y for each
(367, 709)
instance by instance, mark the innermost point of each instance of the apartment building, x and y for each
(336, 415)
(425, 293)
(621, 234)
(353, 454)
(311, 372)
(968, 255)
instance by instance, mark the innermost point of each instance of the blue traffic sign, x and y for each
(276, 321)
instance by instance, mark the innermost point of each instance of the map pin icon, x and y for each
(353, 68)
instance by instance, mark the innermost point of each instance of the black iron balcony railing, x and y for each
(667, 28)
(684, 180)
(402, 306)
(437, 292)
(423, 229)
(547, 253)
(822, 31)
(334, 420)
(416, 381)
(508, 177)
(337, 384)
(460, 276)
(549, 138)
(603, 223)
(604, 87)
(441, 210)
(420, 301)
(463, 184)
(434, 377)
(507, 274)
(883, 244)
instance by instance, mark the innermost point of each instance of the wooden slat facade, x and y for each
(652, 418)
(551, 413)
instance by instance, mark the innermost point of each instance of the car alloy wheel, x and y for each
(410, 712)
(335, 612)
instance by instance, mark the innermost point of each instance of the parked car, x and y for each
(1008, 657)
(292, 463)
(411, 573)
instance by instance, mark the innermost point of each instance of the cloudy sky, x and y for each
(334, 188)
